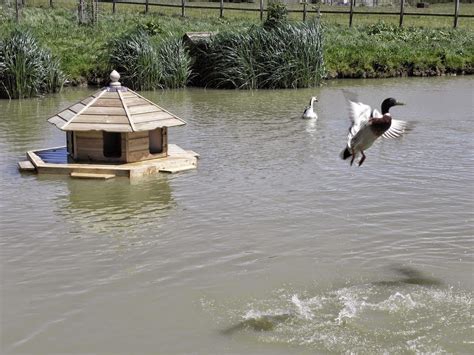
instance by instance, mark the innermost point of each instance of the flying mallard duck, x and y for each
(368, 125)
(308, 111)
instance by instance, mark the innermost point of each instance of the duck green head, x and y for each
(388, 103)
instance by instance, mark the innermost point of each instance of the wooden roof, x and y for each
(115, 109)
(196, 37)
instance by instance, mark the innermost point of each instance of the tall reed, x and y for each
(175, 63)
(26, 68)
(135, 58)
(285, 56)
(148, 64)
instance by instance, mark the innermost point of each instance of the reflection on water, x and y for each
(116, 206)
(311, 126)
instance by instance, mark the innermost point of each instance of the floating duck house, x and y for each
(114, 132)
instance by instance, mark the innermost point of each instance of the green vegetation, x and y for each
(277, 15)
(87, 52)
(284, 56)
(83, 48)
(146, 64)
(383, 50)
(27, 69)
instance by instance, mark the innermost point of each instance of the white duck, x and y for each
(368, 125)
(309, 110)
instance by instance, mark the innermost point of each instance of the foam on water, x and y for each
(355, 318)
(303, 307)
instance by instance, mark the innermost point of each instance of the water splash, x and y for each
(397, 302)
(352, 306)
(303, 308)
(354, 318)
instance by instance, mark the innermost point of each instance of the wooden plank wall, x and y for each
(89, 146)
(139, 146)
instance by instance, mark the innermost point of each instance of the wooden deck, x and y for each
(55, 161)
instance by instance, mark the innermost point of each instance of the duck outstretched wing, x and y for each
(397, 128)
(359, 115)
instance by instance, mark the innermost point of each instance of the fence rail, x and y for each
(261, 9)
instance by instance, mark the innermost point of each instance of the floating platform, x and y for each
(56, 161)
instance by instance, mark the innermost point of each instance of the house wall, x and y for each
(89, 146)
(138, 145)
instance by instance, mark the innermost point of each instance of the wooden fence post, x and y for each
(80, 11)
(91, 12)
(113, 6)
(304, 10)
(221, 9)
(402, 8)
(456, 13)
(261, 10)
(183, 8)
(96, 12)
(351, 12)
(146, 6)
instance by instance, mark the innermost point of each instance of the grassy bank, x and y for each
(383, 50)
(379, 50)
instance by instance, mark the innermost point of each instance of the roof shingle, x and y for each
(115, 109)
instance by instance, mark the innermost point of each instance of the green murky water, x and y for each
(272, 246)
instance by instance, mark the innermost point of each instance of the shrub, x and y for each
(151, 27)
(277, 15)
(26, 68)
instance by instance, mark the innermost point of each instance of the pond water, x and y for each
(274, 245)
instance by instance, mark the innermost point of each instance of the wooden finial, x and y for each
(114, 79)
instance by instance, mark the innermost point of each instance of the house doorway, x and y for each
(155, 138)
(112, 144)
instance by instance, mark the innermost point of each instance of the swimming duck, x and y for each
(308, 111)
(368, 125)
